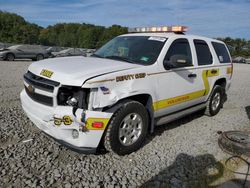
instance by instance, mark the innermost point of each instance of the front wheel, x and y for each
(39, 57)
(10, 57)
(215, 101)
(127, 129)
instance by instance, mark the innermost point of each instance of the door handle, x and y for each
(192, 75)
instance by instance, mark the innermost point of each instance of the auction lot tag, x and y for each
(161, 39)
(66, 120)
(46, 73)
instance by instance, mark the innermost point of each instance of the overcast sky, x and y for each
(213, 18)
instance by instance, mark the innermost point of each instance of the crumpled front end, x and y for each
(44, 102)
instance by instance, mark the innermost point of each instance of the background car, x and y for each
(69, 52)
(33, 52)
(239, 60)
(248, 61)
(51, 49)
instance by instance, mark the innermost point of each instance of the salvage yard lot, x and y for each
(183, 153)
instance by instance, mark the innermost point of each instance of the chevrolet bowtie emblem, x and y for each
(31, 89)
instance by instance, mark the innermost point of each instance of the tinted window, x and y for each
(179, 47)
(221, 52)
(203, 53)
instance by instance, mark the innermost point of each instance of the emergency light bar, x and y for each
(175, 29)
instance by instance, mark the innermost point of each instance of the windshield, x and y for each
(14, 47)
(66, 50)
(133, 49)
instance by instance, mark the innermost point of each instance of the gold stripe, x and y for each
(100, 81)
(90, 121)
(184, 69)
(177, 100)
(150, 74)
(229, 70)
(190, 96)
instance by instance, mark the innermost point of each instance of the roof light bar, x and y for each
(176, 29)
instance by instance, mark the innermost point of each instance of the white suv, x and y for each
(130, 85)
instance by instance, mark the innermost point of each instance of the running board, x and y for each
(180, 114)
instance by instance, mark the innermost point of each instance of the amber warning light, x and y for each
(175, 29)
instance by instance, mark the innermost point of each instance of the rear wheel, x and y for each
(39, 57)
(10, 57)
(127, 129)
(215, 101)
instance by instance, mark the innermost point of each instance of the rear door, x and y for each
(32, 51)
(179, 88)
(25, 51)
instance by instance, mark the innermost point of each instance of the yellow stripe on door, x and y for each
(190, 96)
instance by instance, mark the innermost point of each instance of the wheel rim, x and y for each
(10, 57)
(216, 101)
(39, 57)
(130, 129)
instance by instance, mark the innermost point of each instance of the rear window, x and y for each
(203, 53)
(221, 52)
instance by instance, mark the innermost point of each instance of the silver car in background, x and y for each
(33, 52)
(69, 52)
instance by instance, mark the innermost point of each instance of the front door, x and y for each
(178, 87)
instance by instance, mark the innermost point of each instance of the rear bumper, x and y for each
(44, 117)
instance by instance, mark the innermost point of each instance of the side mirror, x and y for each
(177, 61)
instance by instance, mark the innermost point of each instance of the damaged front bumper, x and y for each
(82, 132)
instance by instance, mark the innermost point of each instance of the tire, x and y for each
(10, 57)
(215, 101)
(39, 57)
(235, 142)
(127, 129)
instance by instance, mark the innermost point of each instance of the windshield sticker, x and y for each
(221, 58)
(144, 58)
(161, 39)
(123, 52)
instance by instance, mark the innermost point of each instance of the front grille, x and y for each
(39, 98)
(40, 83)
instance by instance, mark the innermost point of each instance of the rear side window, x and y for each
(204, 55)
(221, 52)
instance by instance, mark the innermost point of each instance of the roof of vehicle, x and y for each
(171, 34)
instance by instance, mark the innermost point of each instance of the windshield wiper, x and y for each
(95, 55)
(119, 58)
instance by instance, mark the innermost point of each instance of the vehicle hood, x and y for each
(76, 70)
(4, 49)
(55, 53)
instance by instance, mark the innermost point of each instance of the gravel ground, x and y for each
(182, 154)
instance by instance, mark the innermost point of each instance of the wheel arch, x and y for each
(221, 82)
(11, 54)
(145, 99)
(40, 54)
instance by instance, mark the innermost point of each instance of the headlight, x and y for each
(73, 96)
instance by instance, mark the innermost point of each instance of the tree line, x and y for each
(14, 29)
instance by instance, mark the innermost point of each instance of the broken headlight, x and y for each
(73, 96)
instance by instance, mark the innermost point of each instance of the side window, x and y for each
(180, 48)
(204, 55)
(221, 52)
